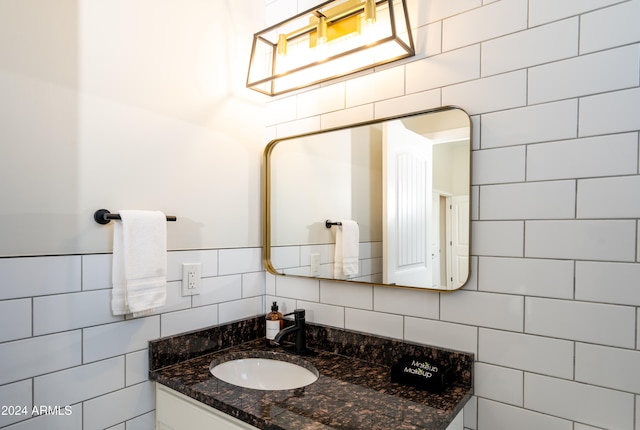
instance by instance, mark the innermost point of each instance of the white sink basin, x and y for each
(265, 373)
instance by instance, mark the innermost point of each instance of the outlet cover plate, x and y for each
(191, 279)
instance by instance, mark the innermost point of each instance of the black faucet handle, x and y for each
(297, 313)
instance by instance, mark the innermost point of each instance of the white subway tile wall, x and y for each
(553, 90)
(60, 345)
(552, 311)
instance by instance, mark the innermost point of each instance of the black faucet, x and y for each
(299, 329)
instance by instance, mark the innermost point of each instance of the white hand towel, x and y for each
(347, 249)
(139, 262)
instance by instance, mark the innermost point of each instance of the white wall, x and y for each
(552, 309)
(127, 105)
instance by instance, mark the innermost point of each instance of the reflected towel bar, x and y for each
(103, 216)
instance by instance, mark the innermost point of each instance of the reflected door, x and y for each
(460, 240)
(407, 206)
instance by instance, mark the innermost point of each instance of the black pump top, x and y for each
(274, 307)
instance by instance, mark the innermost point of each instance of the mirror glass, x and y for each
(399, 186)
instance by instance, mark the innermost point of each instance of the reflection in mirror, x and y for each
(405, 182)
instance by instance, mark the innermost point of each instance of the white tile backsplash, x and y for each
(39, 276)
(541, 11)
(301, 289)
(580, 402)
(537, 354)
(388, 84)
(527, 276)
(584, 75)
(445, 69)
(531, 124)
(73, 421)
(497, 238)
(282, 110)
(583, 158)
(443, 334)
(18, 393)
(110, 340)
(581, 321)
(347, 295)
(583, 240)
(175, 300)
(319, 313)
(186, 320)
(498, 383)
(608, 282)
(381, 324)
(219, 289)
(595, 199)
(96, 271)
(426, 11)
(533, 200)
(579, 426)
(489, 22)
(493, 93)
(480, 309)
(71, 311)
(416, 102)
(353, 115)
(323, 99)
(240, 309)
(500, 165)
(610, 27)
(243, 260)
(175, 260)
(292, 128)
(118, 406)
(500, 416)
(609, 113)
(406, 302)
(15, 319)
(638, 241)
(79, 383)
(428, 39)
(608, 367)
(253, 284)
(24, 358)
(539, 45)
(142, 422)
(137, 367)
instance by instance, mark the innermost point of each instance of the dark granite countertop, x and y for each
(353, 392)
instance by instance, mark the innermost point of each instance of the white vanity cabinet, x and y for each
(175, 411)
(457, 423)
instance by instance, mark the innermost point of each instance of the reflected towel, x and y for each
(139, 262)
(347, 249)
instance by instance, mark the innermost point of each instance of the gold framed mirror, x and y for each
(384, 202)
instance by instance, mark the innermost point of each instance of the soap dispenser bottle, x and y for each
(275, 323)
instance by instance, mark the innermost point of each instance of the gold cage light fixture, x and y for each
(333, 39)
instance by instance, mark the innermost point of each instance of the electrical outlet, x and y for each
(191, 278)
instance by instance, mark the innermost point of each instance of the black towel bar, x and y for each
(103, 216)
(328, 223)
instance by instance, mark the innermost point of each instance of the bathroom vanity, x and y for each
(353, 390)
(175, 411)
